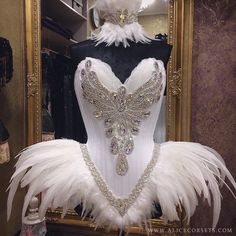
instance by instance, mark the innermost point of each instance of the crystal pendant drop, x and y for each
(97, 114)
(146, 114)
(135, 131)
(88, 65)
(108, 122)
(122, 91)
(154, 75)
(83, 73)
(136, 122)
(122, 129)
(156, 66)
(114, 146)
(121, 165)
(109, 132)
(129, 146)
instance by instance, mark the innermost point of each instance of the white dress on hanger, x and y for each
(120, 120)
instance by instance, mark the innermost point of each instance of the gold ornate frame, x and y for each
(180, 69)
(178, 87)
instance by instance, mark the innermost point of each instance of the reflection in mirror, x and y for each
(60, 113)
(154, 19)
(63, 23)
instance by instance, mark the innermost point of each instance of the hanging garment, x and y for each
(58, 96)
(6, 62)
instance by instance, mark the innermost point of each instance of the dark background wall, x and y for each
(12, 105)
(213, 116)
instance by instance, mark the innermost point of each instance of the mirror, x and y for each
(154, 19)
(173, 19)
(60, 115)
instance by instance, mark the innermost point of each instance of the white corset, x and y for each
(173, 174)
(99, 144)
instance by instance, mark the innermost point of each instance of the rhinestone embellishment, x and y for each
(122, 205)
(120, 17)
(122, 113)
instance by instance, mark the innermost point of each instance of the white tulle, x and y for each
(184, 171)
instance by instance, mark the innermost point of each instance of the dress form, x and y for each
(122, 61)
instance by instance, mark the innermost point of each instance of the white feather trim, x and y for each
(115, 34)
(57, 169)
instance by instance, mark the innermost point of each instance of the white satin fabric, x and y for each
(99, 144)
(160, 130)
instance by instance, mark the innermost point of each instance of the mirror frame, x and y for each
(180, 17)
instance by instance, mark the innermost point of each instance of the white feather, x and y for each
(115, 34)
(184, 172)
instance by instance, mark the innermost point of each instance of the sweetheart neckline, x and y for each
(114, 75)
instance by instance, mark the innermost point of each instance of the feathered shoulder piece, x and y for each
(121, 22)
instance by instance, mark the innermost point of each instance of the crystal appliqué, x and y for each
(122, 205)
(122, 113)
(120, 17)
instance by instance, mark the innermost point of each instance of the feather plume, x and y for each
(114, 33)
(184, 172)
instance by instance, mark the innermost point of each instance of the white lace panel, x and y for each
(122, 113)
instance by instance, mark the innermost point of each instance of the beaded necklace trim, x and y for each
(122, 205)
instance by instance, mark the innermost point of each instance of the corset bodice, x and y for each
(120, 120)
(126, 113)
